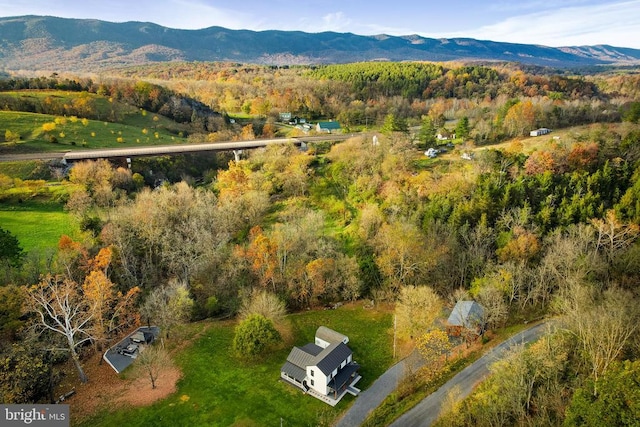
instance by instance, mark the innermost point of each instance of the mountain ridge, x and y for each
(52, 43)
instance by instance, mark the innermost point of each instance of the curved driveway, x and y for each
(427, 411)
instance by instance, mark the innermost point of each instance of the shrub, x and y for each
(254, 335)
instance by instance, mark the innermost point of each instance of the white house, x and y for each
(539, 132)
(324, 369)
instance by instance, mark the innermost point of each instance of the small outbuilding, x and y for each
(466, 315)
(540, 132)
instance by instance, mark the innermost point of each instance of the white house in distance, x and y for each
(325, 369)
(539, 132)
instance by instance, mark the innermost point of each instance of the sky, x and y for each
(545, 22)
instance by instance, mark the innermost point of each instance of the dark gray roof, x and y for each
(119, 362)
(294, 371)
(331, 357)
(343, 376)
(467, 314)
(301, 358)
(326, 359)
(329, 335)
(312, 349)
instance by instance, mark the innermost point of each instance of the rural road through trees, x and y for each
(427, 411)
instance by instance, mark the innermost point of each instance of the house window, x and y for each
(312, 382)
(312, 373)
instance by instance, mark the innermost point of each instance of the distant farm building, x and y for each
(285, 117)
(328, 127)
(444, 136)
(539, 132)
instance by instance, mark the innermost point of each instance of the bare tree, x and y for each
(602, 322)
(168, 306)
(614, 236)
(60, 308)
(153, 360)
(264, 303)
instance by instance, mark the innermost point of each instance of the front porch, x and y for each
(333, 400)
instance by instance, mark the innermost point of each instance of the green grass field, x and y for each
(219, 390)
(75, 134)
(37, 225)
(134, 126)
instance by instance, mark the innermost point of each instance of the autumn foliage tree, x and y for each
(112, 310)
(153, 360)
(416, 310)
(433, 347)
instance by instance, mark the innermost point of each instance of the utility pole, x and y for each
(395, 323)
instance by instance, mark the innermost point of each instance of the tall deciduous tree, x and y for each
(263, 303)
(434, 346)
(416, 310)
(168, 306)
(169, 232)
(60, 308)
(603, 324)
(24, 375)
(612, 235)
(617, 402)
(111, 309)
(401, 253)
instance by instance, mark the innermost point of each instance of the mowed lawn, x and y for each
(217, 389)
(37, 225)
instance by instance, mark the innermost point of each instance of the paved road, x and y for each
(372, 397)
(427, 411)
(156, 150)
(30, 156)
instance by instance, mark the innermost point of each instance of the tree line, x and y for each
(549, 231)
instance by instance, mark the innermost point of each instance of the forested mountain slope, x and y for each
(49, 43)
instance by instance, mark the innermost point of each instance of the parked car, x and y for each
(431, 153)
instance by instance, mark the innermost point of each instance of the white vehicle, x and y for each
(431, 153)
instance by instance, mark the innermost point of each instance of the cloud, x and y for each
(616, 24)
